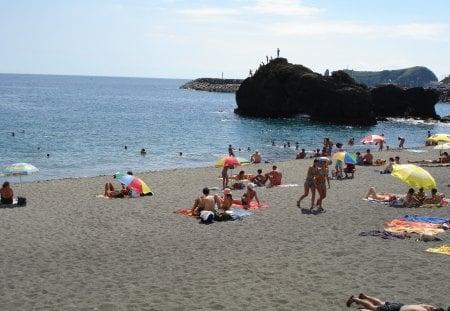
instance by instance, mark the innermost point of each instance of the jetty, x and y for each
(213, 85)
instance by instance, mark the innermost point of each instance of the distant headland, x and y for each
(213, 85)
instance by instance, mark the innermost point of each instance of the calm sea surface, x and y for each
(84, 124)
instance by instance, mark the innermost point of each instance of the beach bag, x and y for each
(21, 201)
(221, 215)
(206, 217)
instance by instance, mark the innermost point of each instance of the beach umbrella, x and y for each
(346, 157)
(445, 138)
(227, 161)
(372, 139)
(134, 183)
(442, 147)
(20, 169)
(414, 175)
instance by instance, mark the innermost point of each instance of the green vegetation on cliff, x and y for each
(409, 77)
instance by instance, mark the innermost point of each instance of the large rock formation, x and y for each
(281, 89)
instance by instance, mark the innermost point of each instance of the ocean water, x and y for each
(84, 124)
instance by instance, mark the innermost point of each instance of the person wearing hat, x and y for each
(256, 157)
(249, 195)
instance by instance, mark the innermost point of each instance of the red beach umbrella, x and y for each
(372, 139)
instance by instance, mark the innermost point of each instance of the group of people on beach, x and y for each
(316, 179)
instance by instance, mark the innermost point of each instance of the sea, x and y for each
(79, 126)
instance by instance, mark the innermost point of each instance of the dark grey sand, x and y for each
(69, 250)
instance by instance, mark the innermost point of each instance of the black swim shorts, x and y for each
(390, 306)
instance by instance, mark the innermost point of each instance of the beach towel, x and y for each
(236, 213)
(102, 196)
(443, 249)
(426, 219)
(253, 205)
(383, 234)
(408, 223)
(419, 230)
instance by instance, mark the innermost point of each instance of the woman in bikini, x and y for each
(310, 184)
(321, 182)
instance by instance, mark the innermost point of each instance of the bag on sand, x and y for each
(21, 201)
(206, 217)
(221, 215)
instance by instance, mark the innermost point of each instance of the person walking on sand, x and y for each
(310, 184)
(401, 142)
(321, 182)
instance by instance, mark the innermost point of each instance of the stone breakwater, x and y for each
(213, 85)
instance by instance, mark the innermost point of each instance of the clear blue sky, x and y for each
(199, 38)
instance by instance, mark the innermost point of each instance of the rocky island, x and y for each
(280, 89)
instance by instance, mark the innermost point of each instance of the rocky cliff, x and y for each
(281, 89)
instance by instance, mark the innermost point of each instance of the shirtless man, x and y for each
(256, 157)
(113, 193)
(274, 176)
(368, 158)
(369, 303)
(259, 179)
(206, 202)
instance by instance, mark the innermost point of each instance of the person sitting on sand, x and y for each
(206, 202)
(389, 166)
(301, 155)
(368, 158)
(349, 169)
(113, 193)
(256, 157)
(239, 180)
(227, 200)
(410, 200)
(6, 193)
(274, 176)
(434, 199)
(249, 195)
(359, 158)
(420, 195)
(259, 179)
(380, 196)
(374, 304)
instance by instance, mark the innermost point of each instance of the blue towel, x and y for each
(239, 213)
(428, 219)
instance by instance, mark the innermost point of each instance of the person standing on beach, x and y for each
(310, 184)
(381, 144)
(401, 142)
(225, 178)
(321, 182)
(230, 150)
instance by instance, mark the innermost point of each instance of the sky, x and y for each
(200, 38)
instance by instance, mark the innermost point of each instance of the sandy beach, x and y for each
(69, 250)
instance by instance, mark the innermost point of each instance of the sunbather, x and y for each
(434, 199)
(380, 196)
(259, 179)
(410, 200)
(249, 195)
(206, 202)
(444, 159)
(6, 193)
(111, 192)
(374, 304)
(227, 200)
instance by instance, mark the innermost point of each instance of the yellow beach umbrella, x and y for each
(445, 138)
(414, 175)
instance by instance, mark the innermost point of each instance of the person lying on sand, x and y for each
(374, 304)
(380, 196)
(444, 159)
(113, 193)
(206, 202)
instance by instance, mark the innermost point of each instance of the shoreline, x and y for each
(69, 250)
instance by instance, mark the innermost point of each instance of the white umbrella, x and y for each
(19, 169)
